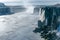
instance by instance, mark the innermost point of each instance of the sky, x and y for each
(29, 2)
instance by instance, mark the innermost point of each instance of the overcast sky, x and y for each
(29, 2)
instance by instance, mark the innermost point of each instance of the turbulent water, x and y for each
(18, 26)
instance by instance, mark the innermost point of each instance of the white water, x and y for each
(18, 26)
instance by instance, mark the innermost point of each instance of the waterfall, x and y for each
(42, 15)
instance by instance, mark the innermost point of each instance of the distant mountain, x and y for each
(5, 10)
(18, 8)
(57, 5)
(2, 5)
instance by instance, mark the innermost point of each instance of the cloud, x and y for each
(29, 2)
(10, 0)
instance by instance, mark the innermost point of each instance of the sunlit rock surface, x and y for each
(18, 26)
